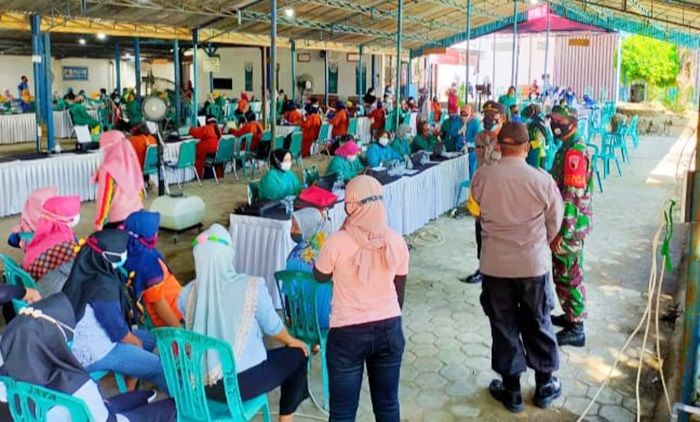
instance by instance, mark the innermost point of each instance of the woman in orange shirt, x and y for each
(310, 128)
(208, 136)
(293, 116)
(437, 110)
(140, 139)
(378, 116)
(251, 127)
(340, 121)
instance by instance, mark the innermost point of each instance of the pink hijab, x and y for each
(120, 161)
(347, 149)
(53, 227)
(31, 212)
(366, 224)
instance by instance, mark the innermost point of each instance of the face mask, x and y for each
(286, 166)
(75, 221)
(489, 123)
(352, 158)
(116, 259)
(383, 141)
(559, 129)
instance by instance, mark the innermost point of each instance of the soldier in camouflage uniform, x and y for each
(572, 172)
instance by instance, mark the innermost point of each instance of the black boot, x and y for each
(512, 400)
(560, 321)
(572, 335)
(547, 392)
(475, 278)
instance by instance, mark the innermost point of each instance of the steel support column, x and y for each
(118, 68)
(325, 78)
(469, 37)
(195, 83)
(137, 65)
(47, 92)
(273, 68)
(545, 80)
(399, 36)
(294, 69)
(178, 79)
(515, 40)
(618, 68)
(361, 76)
(375, 83)
(37, 59)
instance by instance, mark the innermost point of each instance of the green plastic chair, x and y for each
(607, 153)
(215, 111)
(183, 130)
(311, 175)
(183, 353)
(32, 403)
(150, 164)
(301, 292)
(321, 144)
(633, 131)
(253, 191)
(241, 154)
(277, 143)
(15, 275)
(295, 148)
(105, 116)
(186, 159)
(224, 154)
(352, 126)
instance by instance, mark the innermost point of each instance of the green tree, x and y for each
(652, 61)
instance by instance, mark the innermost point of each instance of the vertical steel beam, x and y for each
(618, 68)
(469, 38)
(273, 69)
(545, 80)
(37, 59)
(515, 40)
(399, 36)
(361, 75)
(325, 77)
(294, 69)
(178, 79)
(137, 65)
(375, 83)
(47, 92)
(195, 83)
(118, 68)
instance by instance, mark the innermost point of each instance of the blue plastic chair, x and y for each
(464, 184)
(15, 275)
(595, 157)
(241, 153)
(32, 403)
(301, 293)
(633, 131)
(186, 159)
(295, 148)
(607, 153)
(183, 353)
(352, 126)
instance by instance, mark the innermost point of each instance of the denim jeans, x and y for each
(134, 361)
(379, 345)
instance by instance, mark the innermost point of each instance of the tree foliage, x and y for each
(652, 61)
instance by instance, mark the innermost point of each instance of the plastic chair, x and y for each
(277, 143)
(302, 292)
(186, 159)
(311, 175)
(352, 126)
(321, 144)
(240, 154)
(464, 184)
(15, 275)
(150, 164)
(607, 153)
(32, 403)
(215, 111)
(183, 353)
(224, 154)
(595, 156)
(105, 116)
(295, 148)
(253, 191)
(183, 130)
(633, 132)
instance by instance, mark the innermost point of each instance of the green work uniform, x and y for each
(421, 143)
(278, 184)
(401, 146)
(133, 111)
(81, 117)
(345, 168)
(507, 102)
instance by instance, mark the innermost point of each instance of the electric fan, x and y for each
(155, 110)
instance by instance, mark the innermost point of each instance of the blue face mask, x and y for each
(116, 259)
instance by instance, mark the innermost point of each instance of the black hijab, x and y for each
(93, 278)
(35, 349)
(278, 157)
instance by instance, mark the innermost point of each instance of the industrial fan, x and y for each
(155, 111)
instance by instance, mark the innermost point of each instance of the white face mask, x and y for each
(75, 221)
(383, 141)
(352, 158)
(286, 165)
(116, 259)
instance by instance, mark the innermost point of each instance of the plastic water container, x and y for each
(179, 213)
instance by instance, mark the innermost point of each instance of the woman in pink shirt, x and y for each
(368, 262)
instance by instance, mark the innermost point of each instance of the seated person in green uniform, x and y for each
(379, 151)
(280, 181)
(133, 110)
(425, 140)
(80, 116)
(400, 142)
(345, 163)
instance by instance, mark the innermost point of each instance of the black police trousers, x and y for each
(521, 328)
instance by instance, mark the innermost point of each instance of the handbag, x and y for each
(318, 197)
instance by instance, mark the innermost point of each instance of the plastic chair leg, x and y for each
(213, 170)
(324, 372)
(600, 183)
(196, 175)
(266, 413)
(121, 383)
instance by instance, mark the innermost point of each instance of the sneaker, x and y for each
(560, 321)
(572, 335)
(475, 278)
(512, 400)
(546, 393)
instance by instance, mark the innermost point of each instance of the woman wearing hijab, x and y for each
(243, 105)
(140, 140)
(35, 350)
(31, 213)
(208, 136)
(280, 181)
(237, 308)
(255, 128)
(152, 282)
(293, 116)
(103, 337)
(119, 181)
(310, 229)
(310, 128)
(345, 163)
(379, 152)
(340, 121)
(49, 256)
(400, 143)
(368, 262)
(425, 140)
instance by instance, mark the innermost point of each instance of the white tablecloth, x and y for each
(364, 132)
(284, 130)
(17, 128)
(171, 154)
(263, 244)
(69, 172)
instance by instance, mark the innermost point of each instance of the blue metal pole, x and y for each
(374, 73)
(178, 79)
(469, 38)
(273, 67)
(325, 78)
(118, 68)
(193, 112)
(210, 53)
(137, 65)
(409, 78)
(35, 23)
(399, 35)
(545, 79)
(47, 92)
(361, 75)
(515, 40)
(294, 69)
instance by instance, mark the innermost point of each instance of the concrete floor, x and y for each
(446, 366)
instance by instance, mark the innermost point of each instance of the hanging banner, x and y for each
(333, 78)
(360, 75)
(212, 64)
(249, 76)
(75, 73)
